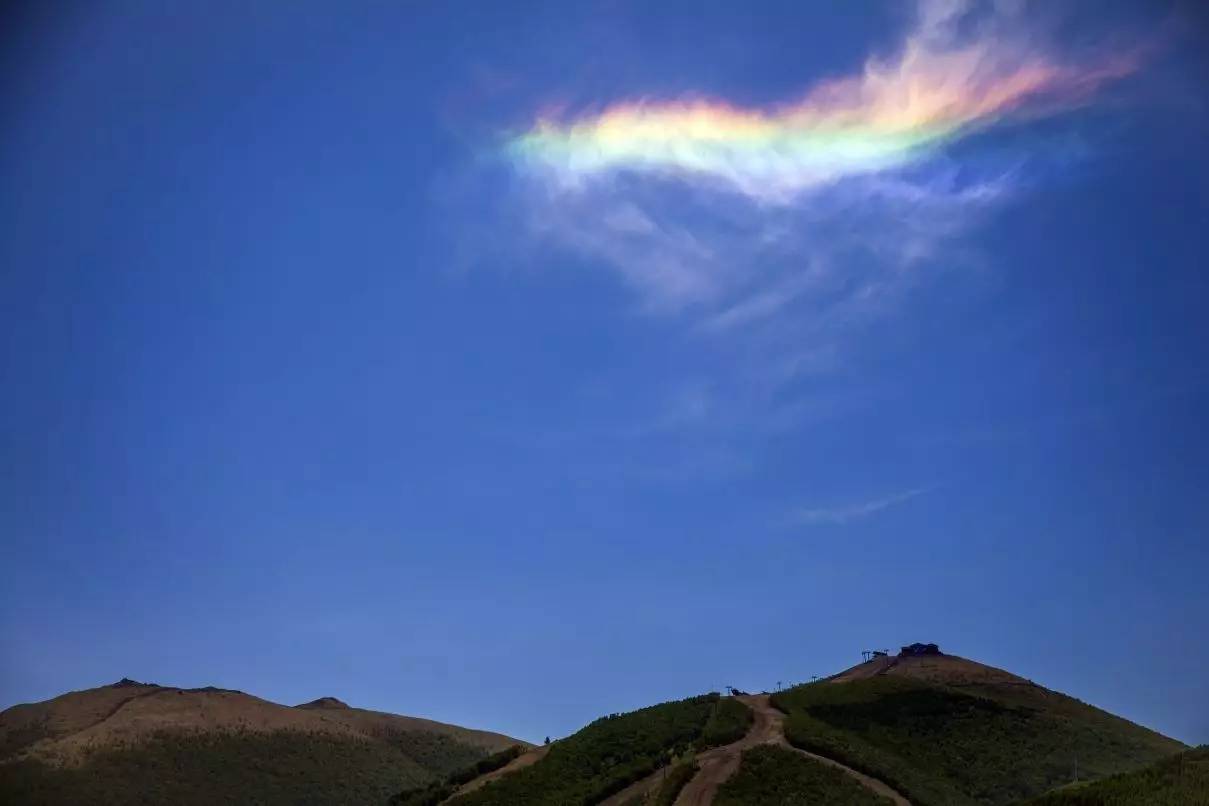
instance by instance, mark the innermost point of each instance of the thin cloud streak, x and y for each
(841, 516)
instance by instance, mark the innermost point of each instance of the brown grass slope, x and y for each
(379, 723)
(125, 742)
(63, 729)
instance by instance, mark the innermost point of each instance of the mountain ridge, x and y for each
(922, 728)
(133, 742)
(63, 728)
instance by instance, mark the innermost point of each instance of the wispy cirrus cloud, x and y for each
(939, 88)
(775, 236)
(843, 515)
(741, 214)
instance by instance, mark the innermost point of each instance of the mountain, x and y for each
(134, 742)
(920, 728)
(944, 729)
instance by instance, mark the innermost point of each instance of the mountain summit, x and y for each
(324, 702)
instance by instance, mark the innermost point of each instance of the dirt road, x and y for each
(720, 763)
(716, 764)
(519, 763)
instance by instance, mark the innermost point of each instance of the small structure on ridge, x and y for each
(919, 650)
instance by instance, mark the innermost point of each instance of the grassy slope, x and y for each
(136, 743)
(773, 776)
(437, 754)
(611, 753)
(729, 722)
(284, 766)
(437, 791)
(22, 725)
(1181, 780)
(384, 725)
(221, 767)
(941, 745)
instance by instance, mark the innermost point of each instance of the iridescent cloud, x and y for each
(893, 113)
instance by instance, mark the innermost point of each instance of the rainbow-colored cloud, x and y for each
(890, 115)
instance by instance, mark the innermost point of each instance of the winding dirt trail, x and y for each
(716, 764)
(720, 763)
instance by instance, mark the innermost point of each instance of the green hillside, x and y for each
(613, 752)
(775, 776)
(981, 744)
(219, 767)
(441, 789)
(1182, 780)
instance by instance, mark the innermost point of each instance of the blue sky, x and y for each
(310, 389)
